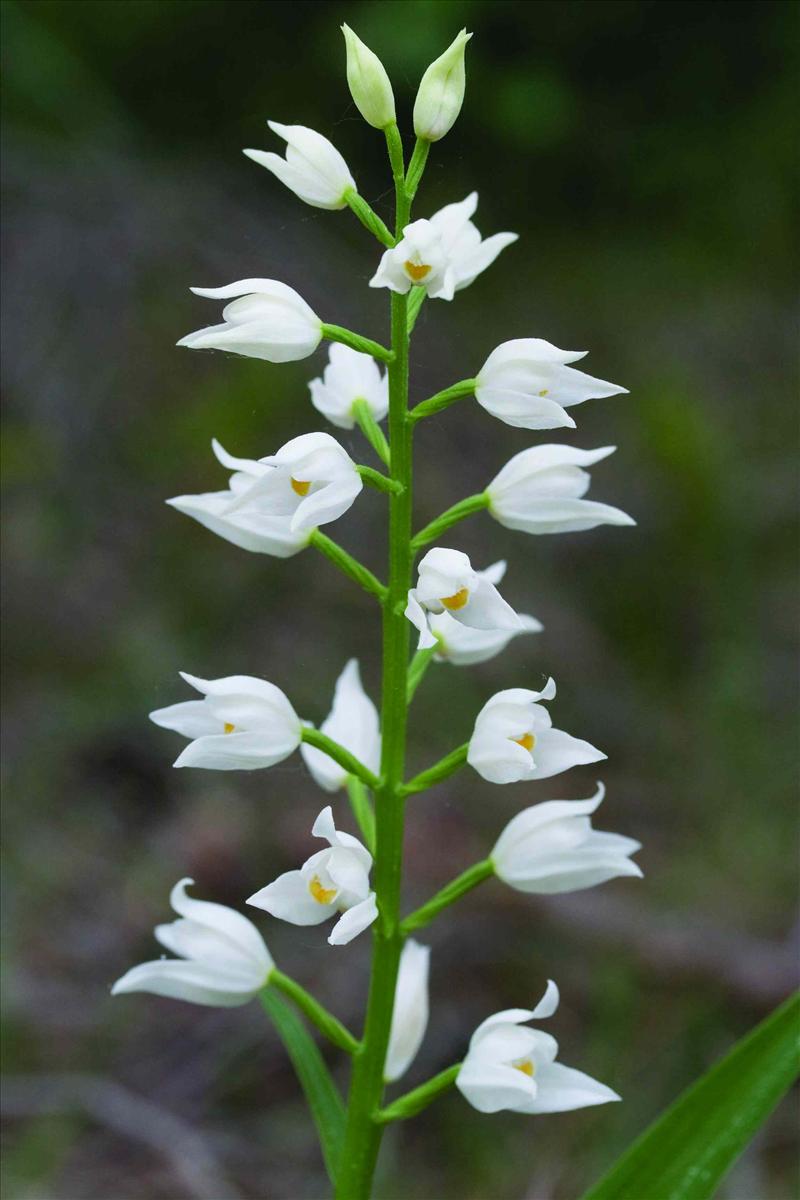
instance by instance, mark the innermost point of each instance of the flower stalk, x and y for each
(440, 771)
(345, 562)
(356, 341)
(331, 1026)
(413, 1102)
(452, 891)
(314, 737)
(451, 516)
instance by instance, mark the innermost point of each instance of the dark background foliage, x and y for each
(643, 152)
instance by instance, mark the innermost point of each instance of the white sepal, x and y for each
(410, 1013)
(540, 490)
(223, 959)
(467, 253)
(513, 739)
(353, 723)
(265, 319)
(313, 168)
(241, 724)
(552, 847)
(349, 376)
(369, 84)
(447, 582)
(441, 92)
(527, 383)
(512, 1067)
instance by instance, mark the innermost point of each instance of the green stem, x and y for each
(362, 1130)
(378, 480)
(446, 767)
(451, 892)
(326, 1022)
(345, 562)
(368, 217)
(362, 810)
(451, 516)
(414, 1102)
(356, 341)
(416, 671)
(457, 391)
(371, 430)
(339, 754)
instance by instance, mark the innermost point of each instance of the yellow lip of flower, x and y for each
(228, 728)
(527, 741)
(417, 271)
(300, 486)
(321, 895)
(526, 1067)
(457, 600)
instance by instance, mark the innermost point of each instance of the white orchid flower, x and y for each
(410, 1012)
(348, 377)
(467, 253)
(311, 480)
(418, 258)
(353, 723)
(222, 957)
(241, 724)
(540, 490)
(447, 582)
(513, 739)
(313, 168)
(512, 1068)
(252, 524)
(331, 881)
(462, 646)
(441, 91)
(551, 847)
(266, 319)
(526, 383)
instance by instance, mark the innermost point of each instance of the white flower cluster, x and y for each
(274, 505)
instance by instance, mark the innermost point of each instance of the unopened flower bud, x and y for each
(368, 82)
(441, 92)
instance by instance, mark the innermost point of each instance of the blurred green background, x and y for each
(643, 151)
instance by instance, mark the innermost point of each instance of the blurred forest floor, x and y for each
(643, 153)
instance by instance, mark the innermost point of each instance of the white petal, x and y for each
(192, 718)
(199, 983)
(226, 923)
(239, 751)
(418, 618)
(561, 1089)
(410, 1012)
(556, 751)
(289, 899)
(548, 1003)
(492, 1089)
(354, 921)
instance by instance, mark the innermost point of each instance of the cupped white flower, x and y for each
(410, 1013)
(252, 524)
(527, 383)
(462, 646)
(369, 84)
(222, 957)
(447, 582)
(513, 739)
(332, 881)
(241, 724)
(313, 168)
(467, 253)
(265, 319)
(551, 847)
(350, 376)
(419, 258)
(540, 490)
(310, 481)
(441, 91)
(512, 1067)
(353, 723)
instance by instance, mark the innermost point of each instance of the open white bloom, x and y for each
(526, 383)
(267, 319)
(223, 959)
(353, 723)
(368, 82)
(513, 739)
(514, 1068)
(252, 524)
(241, 724)
(310, 481)
(313, 168)
(462, 646)
(410, 1012)
(418, 258)
(447, 582)
(467, 253)
(348, 377)
(331, 881)
(551, 847)
(441, 91)
(540, 490)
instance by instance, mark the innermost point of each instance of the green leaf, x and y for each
(321, 1092)
(687, 1151)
